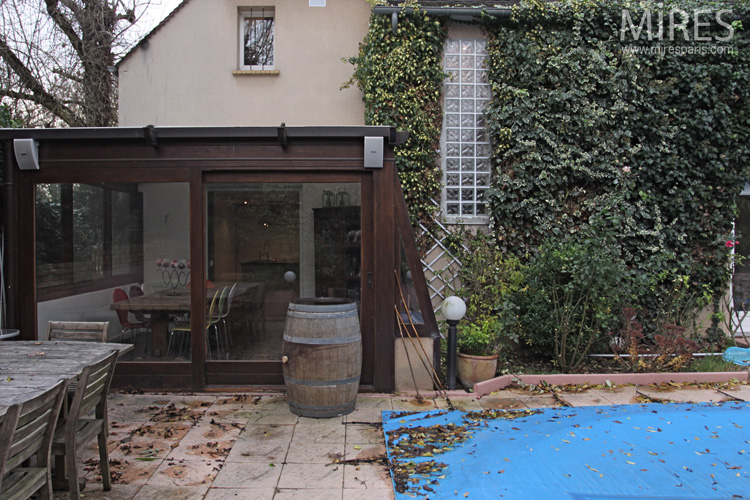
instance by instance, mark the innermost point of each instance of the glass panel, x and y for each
(275, 242)
(408, 304)
(467, 61)
(451, 61)
(98, 246)
(126, 224)
(88, 232)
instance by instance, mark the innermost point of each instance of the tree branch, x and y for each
(37, 92)
(64, 24)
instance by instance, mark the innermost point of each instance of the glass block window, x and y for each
(467, 146)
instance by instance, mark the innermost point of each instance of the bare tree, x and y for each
(58, 58)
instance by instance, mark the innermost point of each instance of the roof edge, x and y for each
(165, 133)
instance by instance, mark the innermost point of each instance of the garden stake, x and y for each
(408, 358)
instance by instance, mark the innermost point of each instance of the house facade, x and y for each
(246, 63)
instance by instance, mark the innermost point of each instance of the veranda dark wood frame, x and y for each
(199, 156)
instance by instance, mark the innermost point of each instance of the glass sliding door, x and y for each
(269, 243)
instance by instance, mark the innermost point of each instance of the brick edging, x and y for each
(497, 383)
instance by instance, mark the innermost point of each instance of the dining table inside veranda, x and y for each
(163, 304)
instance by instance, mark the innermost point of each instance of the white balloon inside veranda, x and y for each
(290, 276)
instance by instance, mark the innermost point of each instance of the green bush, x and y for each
(571, 297)
(487, 276)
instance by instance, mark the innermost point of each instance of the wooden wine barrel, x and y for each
(322, 356)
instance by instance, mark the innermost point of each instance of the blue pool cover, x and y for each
(627, 452)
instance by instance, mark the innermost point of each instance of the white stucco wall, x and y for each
(183, 76)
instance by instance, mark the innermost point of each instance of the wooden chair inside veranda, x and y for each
(85, 331)
(26, 431)
(86, 419)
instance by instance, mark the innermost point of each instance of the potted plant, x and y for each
(478, 344)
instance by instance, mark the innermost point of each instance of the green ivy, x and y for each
(651, 150)
(401, 79)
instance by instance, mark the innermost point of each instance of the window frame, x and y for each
(107, 279)
(255, 12)
(458, 218)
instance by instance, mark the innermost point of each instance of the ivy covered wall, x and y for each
(401, 78)
(641, 142)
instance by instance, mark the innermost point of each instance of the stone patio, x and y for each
(218, 446)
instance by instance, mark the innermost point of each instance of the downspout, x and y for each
(455, 12)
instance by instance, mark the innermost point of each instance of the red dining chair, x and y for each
(118, 295)
(137, 291)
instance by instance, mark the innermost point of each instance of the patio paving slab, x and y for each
(314, 453)
(307, 494)
(240, 494)
(150, 492)
(312, 476)
(314, 430)
(248, 475)
(367, 477)
(208, 440)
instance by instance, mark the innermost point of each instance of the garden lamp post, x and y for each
(453, 309)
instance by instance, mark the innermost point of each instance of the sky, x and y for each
(156, 11)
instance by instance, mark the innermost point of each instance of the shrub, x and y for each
(570, 298)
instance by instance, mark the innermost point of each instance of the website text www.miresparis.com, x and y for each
(680, 50)
(705, 32)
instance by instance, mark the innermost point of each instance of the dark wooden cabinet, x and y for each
(338, 252)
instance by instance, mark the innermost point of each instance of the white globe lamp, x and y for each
(453, 309)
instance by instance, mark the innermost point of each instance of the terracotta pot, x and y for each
(473, 369)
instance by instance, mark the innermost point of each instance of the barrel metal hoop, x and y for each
(317, 383)
(347, 307)
(343, 406)
(322, 341)
(321, 315)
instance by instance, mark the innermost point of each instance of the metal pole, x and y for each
(452, 349)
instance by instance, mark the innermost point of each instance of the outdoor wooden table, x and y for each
(28, 368)
(165, 302)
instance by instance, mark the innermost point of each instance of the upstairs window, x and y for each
(257, 29)
(467, 145)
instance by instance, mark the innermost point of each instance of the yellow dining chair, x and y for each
(212, 319)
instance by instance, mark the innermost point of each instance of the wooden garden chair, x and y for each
(86, 331)
(86, 419)
(26, 431)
